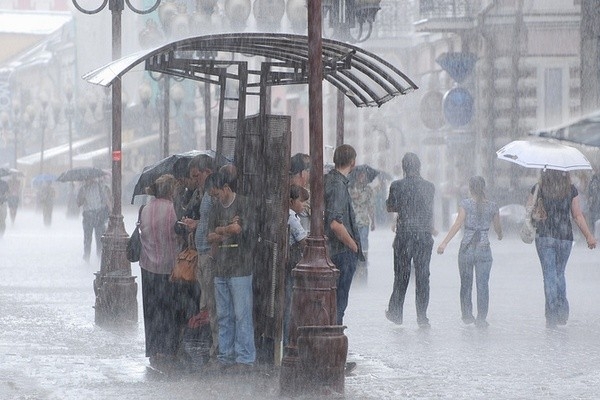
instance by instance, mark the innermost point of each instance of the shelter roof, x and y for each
(365, 78)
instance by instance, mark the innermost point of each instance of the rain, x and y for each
(503, 90)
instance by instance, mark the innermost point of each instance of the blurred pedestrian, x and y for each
(412, 199)
(554, 239)
(594, 201)
(3, 206)
(363, 202)
(94, 199)
(14, 196)
(159, 251)
(340, 224)
(231, 233)
(476, 213)
(46, 195)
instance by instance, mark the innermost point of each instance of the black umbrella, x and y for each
(176, 165)
(584, 131)
(80, 174)
(370, 172)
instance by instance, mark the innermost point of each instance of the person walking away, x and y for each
(159, 251)
(201, 169)
(46, 197)
(554, 239)
(3, 207)
(476, 213)
(14, 196)
(296, 243)
(594, 201)
(412, 199)
(94, 199)
(363, 202)
(231, 233)
(340, 224)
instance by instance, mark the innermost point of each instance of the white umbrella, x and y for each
(543, 154)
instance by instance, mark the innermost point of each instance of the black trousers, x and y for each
(411, 248)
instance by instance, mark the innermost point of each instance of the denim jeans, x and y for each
(234, 316)
(346, 262)
(411, 248)
(477, 259)
(554, 254)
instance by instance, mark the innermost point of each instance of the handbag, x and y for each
(186, 263)
(528, 229)
(133, 250)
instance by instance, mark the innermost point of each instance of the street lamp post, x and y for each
(43, 123)
(115, 288)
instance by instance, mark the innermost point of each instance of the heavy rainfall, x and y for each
(212, 200)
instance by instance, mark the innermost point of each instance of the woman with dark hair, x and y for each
(554, 239)
(159, 251)
(476, 213)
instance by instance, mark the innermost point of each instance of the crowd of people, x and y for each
(203, 208)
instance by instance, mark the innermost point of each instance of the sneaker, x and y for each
(424, 323)
(481, 323)
(468, 320)
(396, 320)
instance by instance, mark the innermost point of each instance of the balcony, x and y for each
(447, 15)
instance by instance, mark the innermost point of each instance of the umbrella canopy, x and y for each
(80, 174)
(585, 131)
(42, 178)
(543, 154)
(176, 164)
(9, 171)
(370, 172)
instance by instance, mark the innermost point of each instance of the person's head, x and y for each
(163, 187)
(411, 165)
(555, 184)
(199, 168)
(220, 188)
(477, 187)
(229, 171)
(300, 169)
(298, 198)
(344, 156)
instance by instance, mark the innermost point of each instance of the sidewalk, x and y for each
(50, 347)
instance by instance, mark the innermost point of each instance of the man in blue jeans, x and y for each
(340, 224)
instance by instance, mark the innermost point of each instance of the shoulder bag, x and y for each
(186, 263)
(133, 249)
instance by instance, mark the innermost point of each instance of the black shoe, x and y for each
(349, 367)
(393, 318)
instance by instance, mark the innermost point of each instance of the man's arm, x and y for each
(343, 236)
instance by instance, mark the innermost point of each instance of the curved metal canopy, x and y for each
(366, 79)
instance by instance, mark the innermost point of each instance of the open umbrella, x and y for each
(38, 180)
(10, 171)
(542, 154)
(176, 164)
(80, 174)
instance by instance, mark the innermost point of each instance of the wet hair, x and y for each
(163, 187)
(202, 162)
(411, 165)
(298, 192)
(209, 183)
(229, 171)
(477, 188)
(555, 184)
(298, 163)
(343, 156)
(219, 180)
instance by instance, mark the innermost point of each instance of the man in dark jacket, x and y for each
(412, 199)
(340, 224)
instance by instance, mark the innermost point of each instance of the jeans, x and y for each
(411, 248)
(554, 254)
(234, 316)
(476, 259)
(345, 262)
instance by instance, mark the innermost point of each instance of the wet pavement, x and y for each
(50, 347)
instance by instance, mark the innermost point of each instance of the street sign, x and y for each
(458, 107)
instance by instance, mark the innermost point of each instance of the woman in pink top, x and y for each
(159, 251)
